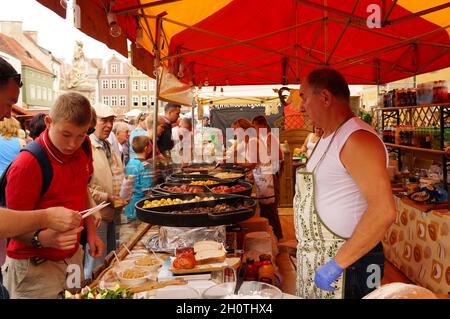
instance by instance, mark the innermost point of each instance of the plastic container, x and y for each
(248, 290)
(425, 93)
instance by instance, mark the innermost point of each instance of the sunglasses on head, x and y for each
(16, 77)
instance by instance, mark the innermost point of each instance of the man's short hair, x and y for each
(7, 71)
(331, 80)
(71, 107)
(171, 106)
(119, 127)
(139, 143)
(37, 125)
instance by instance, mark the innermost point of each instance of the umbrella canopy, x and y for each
(235, 42)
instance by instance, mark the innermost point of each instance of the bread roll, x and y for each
(398, 290)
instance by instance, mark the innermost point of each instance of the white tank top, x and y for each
(339, 202)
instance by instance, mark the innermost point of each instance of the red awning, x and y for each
(236, 42)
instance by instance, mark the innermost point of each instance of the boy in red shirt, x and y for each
(37, 263)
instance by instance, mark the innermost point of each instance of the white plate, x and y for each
(177, 292)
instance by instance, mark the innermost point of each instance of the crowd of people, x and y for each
(339, 217)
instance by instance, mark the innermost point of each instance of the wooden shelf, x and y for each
(411, 107)
(411, 148)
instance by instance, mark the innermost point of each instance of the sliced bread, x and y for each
(206, 245)
(208, 256)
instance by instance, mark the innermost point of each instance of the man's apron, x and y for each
(317, 244)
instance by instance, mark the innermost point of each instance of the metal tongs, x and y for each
(90, 211)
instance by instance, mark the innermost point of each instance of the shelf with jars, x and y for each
(418, 129)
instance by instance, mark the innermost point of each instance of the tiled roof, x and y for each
(12, 47)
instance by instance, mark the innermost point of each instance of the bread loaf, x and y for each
(209, 256)
(206, 245)
(209, 251)
(399, 290)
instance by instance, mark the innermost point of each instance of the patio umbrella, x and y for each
(234, 42)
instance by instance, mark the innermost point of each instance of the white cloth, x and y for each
(338, 199)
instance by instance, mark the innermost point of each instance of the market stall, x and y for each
(198, 229)
(414, 125)
(228, 42)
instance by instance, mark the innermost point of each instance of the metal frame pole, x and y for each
(157, 77)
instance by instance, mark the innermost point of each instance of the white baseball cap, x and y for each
(104, 111)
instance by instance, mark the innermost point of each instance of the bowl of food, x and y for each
(248, 290)
(133, 276)
(148, 262)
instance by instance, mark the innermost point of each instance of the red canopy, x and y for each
(278, 41)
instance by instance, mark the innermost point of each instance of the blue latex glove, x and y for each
(326, 274)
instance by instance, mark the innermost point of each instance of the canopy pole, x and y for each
(158, 80)
(193, 130)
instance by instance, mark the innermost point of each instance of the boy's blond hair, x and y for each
(73, 108)
(139, 143)
(9, 127)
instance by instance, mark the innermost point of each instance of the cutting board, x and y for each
(229, 262)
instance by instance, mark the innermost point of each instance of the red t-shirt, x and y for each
(68, 188)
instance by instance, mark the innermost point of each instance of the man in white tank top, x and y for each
(352, 192)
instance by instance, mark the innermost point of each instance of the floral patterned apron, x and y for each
(317, 244)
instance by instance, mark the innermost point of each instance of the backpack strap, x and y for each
(86, 146)
(44, 162)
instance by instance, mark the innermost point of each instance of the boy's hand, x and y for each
(61, 219)
(60, 240)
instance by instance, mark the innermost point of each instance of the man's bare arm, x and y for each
(365, 159)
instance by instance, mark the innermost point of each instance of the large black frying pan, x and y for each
(187, 179)
(164, 216)
(158, 189)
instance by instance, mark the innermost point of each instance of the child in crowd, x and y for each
(141, 170)
(38, 263)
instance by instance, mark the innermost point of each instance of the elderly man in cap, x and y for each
(105, 183)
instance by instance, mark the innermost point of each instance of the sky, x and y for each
(52, 29)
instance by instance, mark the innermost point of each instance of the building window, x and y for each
(135, 85)
(105, 100)
(114, 100)
(32, 91)
(38, 92)
(122, 84)
(143, 85)
(144, 100)
(152, 85)
(105, 84)
(44, 94)
(114, 68)
(122, 100)
(113, 84)
(135, 100)
(50, 94)
(152, 101)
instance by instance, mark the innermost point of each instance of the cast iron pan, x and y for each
(207, 189)
(187, 179)
(246, 192)
(163, 215)
(159, 188)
